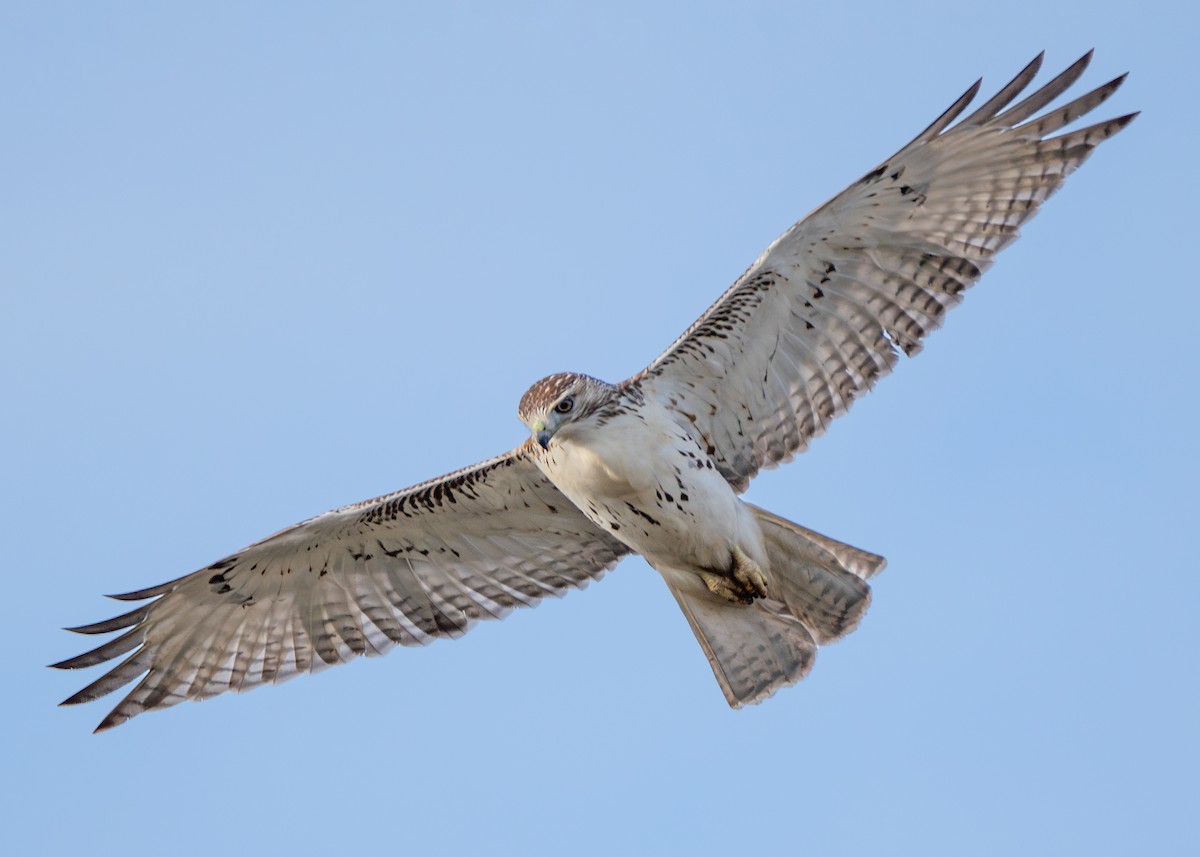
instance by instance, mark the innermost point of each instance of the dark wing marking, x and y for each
(823, 313)
(405, 568)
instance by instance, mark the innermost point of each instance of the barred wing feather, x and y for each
(825, 311)
(406, 568)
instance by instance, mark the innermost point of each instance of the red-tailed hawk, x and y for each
(653, 465)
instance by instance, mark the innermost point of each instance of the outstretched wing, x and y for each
(824, 312)
(405, 568)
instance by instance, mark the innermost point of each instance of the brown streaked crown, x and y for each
(546, 392)
(590, 393)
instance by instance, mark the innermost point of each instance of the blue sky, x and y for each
(260, 261)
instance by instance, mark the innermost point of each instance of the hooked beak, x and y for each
(541, 434)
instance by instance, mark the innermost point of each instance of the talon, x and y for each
(720, 585)
(743, 583)
(748, 575)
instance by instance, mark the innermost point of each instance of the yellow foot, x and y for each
(721, 585)
(748, 575)
(744, 582)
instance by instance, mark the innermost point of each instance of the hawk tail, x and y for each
(817, 593)
(822, 581)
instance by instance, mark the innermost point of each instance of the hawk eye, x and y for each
(565, 406)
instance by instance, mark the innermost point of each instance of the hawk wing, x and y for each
(823, 313)
(406, 568)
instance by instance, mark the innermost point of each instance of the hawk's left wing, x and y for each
(822, 314)
(405, 568)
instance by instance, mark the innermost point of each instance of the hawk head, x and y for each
(559, 400)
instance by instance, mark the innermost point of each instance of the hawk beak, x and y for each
(541, 434)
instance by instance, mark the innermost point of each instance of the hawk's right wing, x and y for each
(405, 568)
(825, 311)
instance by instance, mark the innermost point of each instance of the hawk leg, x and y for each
(744, 582)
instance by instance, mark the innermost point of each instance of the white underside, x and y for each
(643, 478)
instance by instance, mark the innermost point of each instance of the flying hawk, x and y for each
(653, 465)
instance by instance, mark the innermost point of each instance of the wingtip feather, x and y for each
(111, 721)
(153, 591)
(951, 113)
(1007, 93)
(116, 623)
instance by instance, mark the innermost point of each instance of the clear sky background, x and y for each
(260, 261)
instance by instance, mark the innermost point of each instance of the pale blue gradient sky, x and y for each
(260, 262)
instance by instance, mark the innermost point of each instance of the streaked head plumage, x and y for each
(561, 398)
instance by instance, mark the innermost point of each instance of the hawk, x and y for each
(653, 465)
